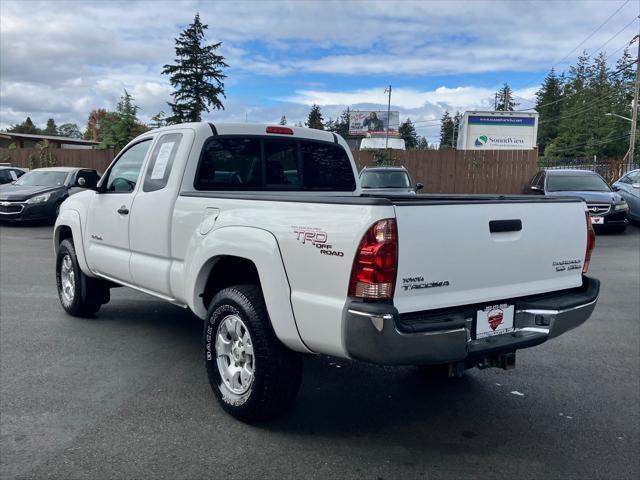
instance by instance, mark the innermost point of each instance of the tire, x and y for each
(252, 374)
(79, 295)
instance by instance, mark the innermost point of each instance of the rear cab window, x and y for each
(273, 164)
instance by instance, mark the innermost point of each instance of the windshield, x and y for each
(582, 183)
(42, 179)
(392, 179)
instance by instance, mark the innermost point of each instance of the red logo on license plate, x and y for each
(495, 318)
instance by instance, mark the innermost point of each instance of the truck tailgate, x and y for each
(448, 255)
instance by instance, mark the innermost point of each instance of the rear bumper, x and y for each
(378, 333)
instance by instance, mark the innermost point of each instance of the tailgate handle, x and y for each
(496, 226)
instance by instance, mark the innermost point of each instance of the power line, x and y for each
(596, 103)
(569, 95)
(590, 35)
(621, 30)
(590, 142)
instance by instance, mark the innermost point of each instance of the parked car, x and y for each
(213, 218)
(628, 186)
(607, 208)
(38, 194)
(387, 181)
(10, 174)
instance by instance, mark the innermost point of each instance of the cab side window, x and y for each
(123, 176)
(161, 162)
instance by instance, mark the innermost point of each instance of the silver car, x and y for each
(628, 186)
(387, 181)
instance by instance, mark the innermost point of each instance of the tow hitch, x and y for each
(506, 361)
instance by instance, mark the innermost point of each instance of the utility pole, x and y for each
(634, 116)
(388, 119)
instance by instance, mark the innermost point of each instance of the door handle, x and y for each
(496, 226)
(123, 210)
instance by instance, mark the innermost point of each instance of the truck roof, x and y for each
(220, 128)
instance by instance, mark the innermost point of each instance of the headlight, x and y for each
(621, 206)
(39, 198)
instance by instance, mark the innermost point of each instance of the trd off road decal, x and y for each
(317, 238)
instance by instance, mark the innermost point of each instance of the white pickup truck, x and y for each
(263, 232)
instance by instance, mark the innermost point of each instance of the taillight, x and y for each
(280, 130)
(591, 243)
(373, 275)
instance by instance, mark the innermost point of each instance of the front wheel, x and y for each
(252, 374)
(80, 296)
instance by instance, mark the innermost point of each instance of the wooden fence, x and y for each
(463, 171)
(72, 157)
(441, 171)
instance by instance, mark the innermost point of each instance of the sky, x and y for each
(63, 59)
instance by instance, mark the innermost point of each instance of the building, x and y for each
(29, 140)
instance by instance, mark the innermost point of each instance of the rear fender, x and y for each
(260, 247)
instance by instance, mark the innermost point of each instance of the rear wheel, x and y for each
(252, 374)
(79, 295)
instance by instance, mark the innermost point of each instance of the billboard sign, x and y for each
(365, 123)
(498, 131)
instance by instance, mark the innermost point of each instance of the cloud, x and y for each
(64, 57)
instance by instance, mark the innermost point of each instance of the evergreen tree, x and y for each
(548, 105)
(408, 133)
(283, 120)
(158, 120)
(423, 144)
(25, 127)
(315, 119)
(51, 129)
(342, 124)
(447, 126)
(504, 99)
(122, 127)
(197, 75)
(70, 130)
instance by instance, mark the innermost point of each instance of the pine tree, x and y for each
(504, 99)
(122, 127)
(25, 127)
(158, 120)
(315, 119)
(283, 120)
(69, 130)
(51, 129)
(446, 131)
(423, 144)
(548, 105)
(197, 75)
(408, 133)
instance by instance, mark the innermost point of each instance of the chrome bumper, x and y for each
(374, 332)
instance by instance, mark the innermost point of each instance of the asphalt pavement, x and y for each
(125, 395)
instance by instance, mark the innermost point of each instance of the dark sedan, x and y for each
(37, 194)
(607, 208)
(10, 174)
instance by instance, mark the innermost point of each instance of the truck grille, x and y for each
(598, 208)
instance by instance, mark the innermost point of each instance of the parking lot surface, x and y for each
(125, 395)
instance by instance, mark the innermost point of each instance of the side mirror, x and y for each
(84, 182)
(616, 188)
(419, 186)
(536, 189)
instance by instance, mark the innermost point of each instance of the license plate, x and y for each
(597, 220)
(494, 320)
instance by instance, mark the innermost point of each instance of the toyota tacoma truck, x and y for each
(264, 233)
